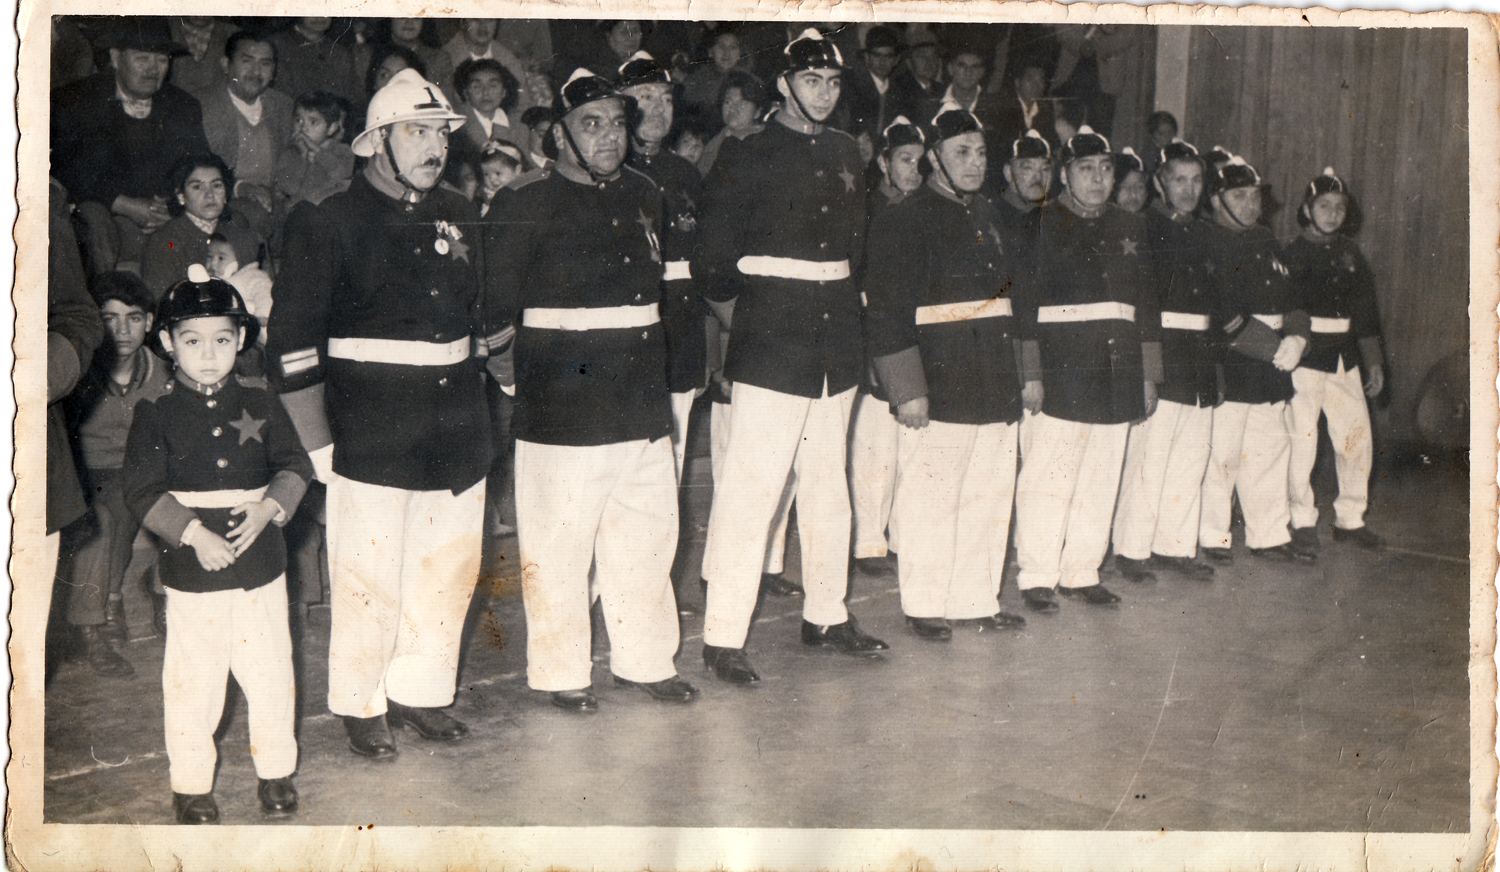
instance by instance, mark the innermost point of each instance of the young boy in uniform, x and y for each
(209, 467)
(1334, 286)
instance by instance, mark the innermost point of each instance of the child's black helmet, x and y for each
(202, 296)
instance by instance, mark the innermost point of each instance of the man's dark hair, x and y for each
(378, 57)
(1159, 118)
(881, 36)
(240, 37)
(464, 76)
(126, 287)
(750, 88)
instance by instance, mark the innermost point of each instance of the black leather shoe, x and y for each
(277, 796)
(730, 664)
(997, 621)
(1221, 556)
(875, 567)
(575, 700)
(1039, 599)
(934, 629)
(672, 689)
(1306, 538)
(777, 584)
(1285, 553)
(195, 808)
(1094, 594)
(114, 630)
(1361, 536)
(1138, 571)
(159, 613)
(430, 723)
(846, 638)
(370, 737)
(1185, 566)
(104, 660)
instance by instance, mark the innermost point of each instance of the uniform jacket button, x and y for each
(218, 431)
(212, 403)
(443, 381)
(627, 259)
(819, 174)
(434, 292)
(825, 208)
(221, 463)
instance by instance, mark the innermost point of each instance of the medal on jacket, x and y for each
(647, 226)
(449, 241)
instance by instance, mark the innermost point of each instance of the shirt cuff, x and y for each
(191, 525)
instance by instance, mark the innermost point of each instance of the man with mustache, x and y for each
(379, 314)
(579, 246)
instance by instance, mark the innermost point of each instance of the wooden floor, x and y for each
(1282, 698)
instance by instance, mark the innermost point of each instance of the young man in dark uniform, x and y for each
(379, 309)
(1335, 287)
(872, 433)
(1156, 519)
(649, 83)
(1091, 370)
(1250, 450)
(943, 294)
(783, 230)
(580, 247)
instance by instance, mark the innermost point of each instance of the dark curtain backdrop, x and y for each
(1388, 109)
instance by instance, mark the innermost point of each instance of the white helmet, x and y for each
(406, 97)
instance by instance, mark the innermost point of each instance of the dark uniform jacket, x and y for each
(882, 198)
(934, 249)
(100, 153)
(781, 193)
(1251, 281)
(1190, 357)
(1331, 280)
(74, 331)
(682, 309)
(366, 265)
(1092, 371)
(236, 437)
(561, 244)
(1020, 231)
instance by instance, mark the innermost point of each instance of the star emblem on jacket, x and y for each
(249, 427)
(848, 178)
(450, 241)
(1130, 247)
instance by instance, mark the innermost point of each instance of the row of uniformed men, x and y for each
(600, 263)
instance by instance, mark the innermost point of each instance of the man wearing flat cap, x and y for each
(116, 136)
(783, 225)
(379, 323)
(578, 247)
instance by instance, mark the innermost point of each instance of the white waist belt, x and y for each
(1275, 322)
(607, 318)
(676, 270)
(1184, 321)
(792, 268)
(1086, 312)
(219, 499)
(1330, 325)
(401, 351)
(995, 307)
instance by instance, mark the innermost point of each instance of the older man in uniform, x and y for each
(1028, 177)
(1092, 369)
(595, 482)
(943, 294)
(783, 226)
(379, 318)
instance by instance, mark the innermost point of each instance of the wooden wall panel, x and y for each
(1387, 108)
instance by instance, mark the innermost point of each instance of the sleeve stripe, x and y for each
(297, 366)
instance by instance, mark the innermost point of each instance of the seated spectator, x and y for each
(247, 123)
(201, 69)
(1162, 127)
(99, 412)
(253, 283)
(537, 124)
(412, 34)
(461, 174)
(499, 164)
(385, 62)
(72, 53)
(317, 163)
(870, 95)
(689, 137)
(743, 102)
(200, 203)
(1131, 192)
(488, 92)
(309, 60)
(475, 41)
(621, 39)
(115, 137)
(703, 86)
(919, 78)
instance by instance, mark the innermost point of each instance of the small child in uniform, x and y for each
(214, 468)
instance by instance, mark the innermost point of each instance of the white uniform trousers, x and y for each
(1162, 486)
(872, 474)
(613, 507)
(1065, 496)
(210, 636)
(954, 500)
(775, 559)
(403, 565)
(682, 410)
(1248, 455)
(771, 434)
(1341, 396)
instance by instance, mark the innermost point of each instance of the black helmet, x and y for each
(202, 296)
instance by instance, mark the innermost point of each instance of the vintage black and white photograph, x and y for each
(973, 437)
